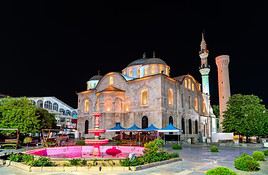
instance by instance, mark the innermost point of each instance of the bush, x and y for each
(258, 155)
(15, 157)
(173, 155)
(80, 142)
(265, 152)
(176, 146)
(214, 148)
(220, 171)
(75, 162)
(135, 162)
(246, 163)
(28, 159)
(42, 161)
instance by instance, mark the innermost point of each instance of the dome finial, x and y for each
(153, 54)
(144, 55)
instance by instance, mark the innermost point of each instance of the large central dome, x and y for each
(145, 61)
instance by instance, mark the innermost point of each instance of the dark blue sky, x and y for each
(53, 48)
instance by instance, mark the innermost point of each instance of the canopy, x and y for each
(134, 127)
(117, 127)
(151, 128)
(170, 128)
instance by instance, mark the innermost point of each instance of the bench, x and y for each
(10, 143)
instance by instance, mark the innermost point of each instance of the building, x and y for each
(144, 93)
(66, 116)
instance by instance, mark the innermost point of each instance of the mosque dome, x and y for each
(96, 77)
(145, 61)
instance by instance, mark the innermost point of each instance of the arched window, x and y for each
(108, 105)
(144, 97)
(170, 96)
(183, 125)
(190, 126)
(146, 70)
(204, 107)
(62, 111)
(144, 122)
(192, 86)
(40, 103)
(86, 127)
(74, 114)
(189, 84)
(111, 80)
(86, 105)
(55, 106)
(48, 105)
(153, 69)
(196, 126)
(68, 112)
(170, 120)
(185, 83)
(196, 103)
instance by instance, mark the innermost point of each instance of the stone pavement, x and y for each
(197, 159)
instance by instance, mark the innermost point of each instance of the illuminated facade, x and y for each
(144, 94)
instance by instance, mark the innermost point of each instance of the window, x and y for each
(68, 112)
(118, 105)
(192, 86)
(108, 105)
(196, 103)
(183, 125)
(48, 105)
(161, 68)
(170, 120)
(86, 127)
(196, 127)
(167, 71)
(146, 70)
(144, 122)
(152, 69)
(62, 111)
(111, 80)
(138, 72)
(185, 83)
(204, 107)
(190, 126)
(74, 114)
(40, 103)
(170, 97)
(55, 106)
(86, 106)
(189, 84)
(144, 97)
(130, 72)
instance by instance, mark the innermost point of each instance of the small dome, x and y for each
(96, 77)
(144, 61)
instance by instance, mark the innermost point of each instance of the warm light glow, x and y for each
(167, 70)
(170, 97)
(189, 84)
(185, 83)
(111, 80)
(86, 106)
(108, 109)
(161, 68)
(139, 72)
(152, 69)
(192, 86)
(130, 73)
(146, 70)
(204, 107)
(144, 97)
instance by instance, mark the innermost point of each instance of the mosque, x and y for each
(144, 93)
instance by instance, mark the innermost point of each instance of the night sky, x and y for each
(53, 48)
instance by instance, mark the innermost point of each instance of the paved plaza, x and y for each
(196, 160)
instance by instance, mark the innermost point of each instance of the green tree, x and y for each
(46, 119)
(18, 113)
(245, 115)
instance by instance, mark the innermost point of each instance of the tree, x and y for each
(216, 112)
(245, 115)
(46, 119)
(18, 113)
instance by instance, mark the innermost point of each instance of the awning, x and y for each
(117, 127)
(134, 127)
(151, 128)
(169, 128)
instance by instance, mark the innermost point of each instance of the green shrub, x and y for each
(258, 155)
(214, 148)
(80, 142)
(135, 162)
(173, 155)
(15, 157)
(42, 161)
(246, 163)
(83, 162)
(176, 146)
(27, 158)
(75, 162)
(220, 171)
(265, 152)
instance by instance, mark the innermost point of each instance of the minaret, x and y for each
(204, 68)
(222, 62)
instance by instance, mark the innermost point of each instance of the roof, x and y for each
(111, 88)
(96, 77)
(134, 127)
(145, 61)
(180, 78)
